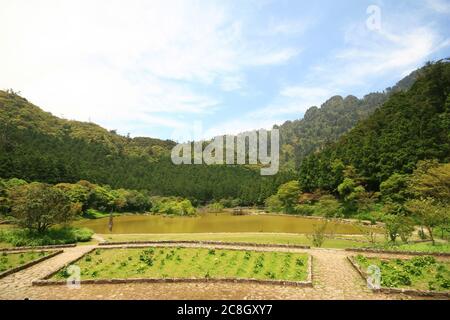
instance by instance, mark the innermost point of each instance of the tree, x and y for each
(395, 188)
(329, 207)
(77, 193)
(397, 222)
(274, 204)
(431, 180)
(354, 195)
(288, 195)
(3, 199)
(429, 213)
(38, 206)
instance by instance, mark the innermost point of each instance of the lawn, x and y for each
(422, 273)
(10, 260)
(443, 246)
(171, 262)
(275, 238)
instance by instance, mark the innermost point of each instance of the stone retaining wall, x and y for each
(414, 253)
(46, 282)
(57, 246)
(29, 264)
(413, 292)
(221, 243)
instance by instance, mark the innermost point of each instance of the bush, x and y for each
(215, 207)
(55, 236)
(173, 206)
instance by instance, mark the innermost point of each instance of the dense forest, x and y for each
(410, 126)
(322, 126)
(36, 146)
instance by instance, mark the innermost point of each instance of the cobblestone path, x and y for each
(333, 278)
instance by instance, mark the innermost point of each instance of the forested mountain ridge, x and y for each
(37, 146)
(410, 126)
(16, 111)
(322, 126)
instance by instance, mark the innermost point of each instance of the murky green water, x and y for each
(212, 223)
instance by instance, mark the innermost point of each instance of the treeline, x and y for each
(83, 196)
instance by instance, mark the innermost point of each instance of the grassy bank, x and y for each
(420, 247)
(15, 237)
(281, 238)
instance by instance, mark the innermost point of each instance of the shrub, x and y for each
(423, 261)
(55, 236)
(318, 235)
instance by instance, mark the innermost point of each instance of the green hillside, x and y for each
(410, 126)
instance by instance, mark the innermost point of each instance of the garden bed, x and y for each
(177, 264)
(420, 276)
(402, 252)
(11, 262)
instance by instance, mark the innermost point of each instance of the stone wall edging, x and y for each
(56, 246)
(399, 252)
(46, 282)
(29, 264)
(177, 280)
(412, 292)
(221, 243)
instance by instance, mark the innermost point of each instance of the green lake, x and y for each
(211, 223)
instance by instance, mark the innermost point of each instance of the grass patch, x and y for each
(419, 247)
(66, 235)
(274, 238)
(10, 260)
(421, 273)
(95, 214)
(164, 262)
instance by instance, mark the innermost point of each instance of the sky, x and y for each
(169, 69)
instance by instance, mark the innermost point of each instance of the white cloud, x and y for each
(274, 57)
(371, 54)
(111, 61)
(441, 6)
(289, 27)
(232, 82)
(367, 56)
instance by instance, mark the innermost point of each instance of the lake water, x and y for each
(212, 223)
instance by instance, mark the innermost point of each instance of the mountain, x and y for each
(37, 146)
(322, 126)
(410, 126)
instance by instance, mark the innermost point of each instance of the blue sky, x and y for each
(164, 68)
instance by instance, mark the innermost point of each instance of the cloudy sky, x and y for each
(159, 68)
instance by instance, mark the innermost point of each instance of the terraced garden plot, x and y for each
(421, 273)
(170, 262)
(10, 260)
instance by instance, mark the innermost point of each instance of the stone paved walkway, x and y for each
(333, 278)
